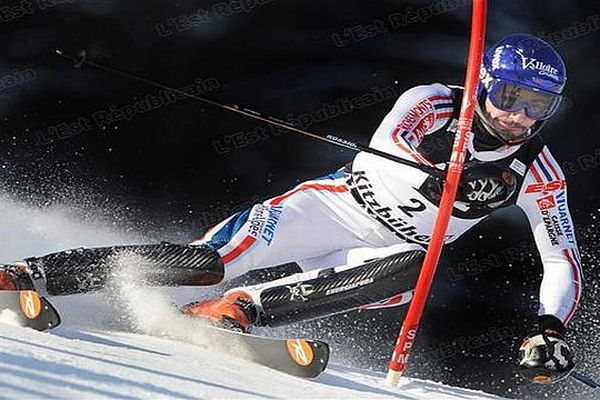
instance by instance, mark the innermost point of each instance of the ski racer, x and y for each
(359, 234)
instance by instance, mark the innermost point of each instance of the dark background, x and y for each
(172, 171)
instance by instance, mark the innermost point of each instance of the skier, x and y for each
(359, 234)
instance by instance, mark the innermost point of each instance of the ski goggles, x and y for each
(510, 97)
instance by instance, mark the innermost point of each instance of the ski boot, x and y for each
(235, 311)
(15, 277)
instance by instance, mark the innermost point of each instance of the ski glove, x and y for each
(544, 356)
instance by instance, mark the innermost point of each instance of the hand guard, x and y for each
(545, 357)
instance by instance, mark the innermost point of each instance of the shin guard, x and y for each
(88, 269)
(336, 290)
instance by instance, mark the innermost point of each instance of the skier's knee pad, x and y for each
(334, 291)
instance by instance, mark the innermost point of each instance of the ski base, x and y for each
(303, 358)
(28, 309)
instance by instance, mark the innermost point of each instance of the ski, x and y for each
(303, 358)
(28, 309)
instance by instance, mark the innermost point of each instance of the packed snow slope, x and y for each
(73, 361)
(129, 342)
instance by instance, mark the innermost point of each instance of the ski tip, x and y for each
(311, 355)
(30, 310)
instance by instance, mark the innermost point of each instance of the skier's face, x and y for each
(513, 124)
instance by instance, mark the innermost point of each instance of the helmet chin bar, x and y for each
(496, 133)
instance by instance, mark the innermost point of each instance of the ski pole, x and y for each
(81, 60)
(584, 379)
(406, 337)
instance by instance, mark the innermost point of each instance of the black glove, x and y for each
(544, 356)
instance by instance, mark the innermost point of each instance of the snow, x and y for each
(102, 353)
(128, 342)
(91, 363)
